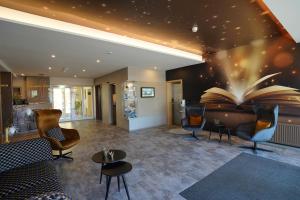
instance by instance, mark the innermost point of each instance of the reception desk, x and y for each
(23, 116)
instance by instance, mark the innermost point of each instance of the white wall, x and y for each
(71, 81)
(20, 83)
(117, 78)
(151, 112)
(146, 75)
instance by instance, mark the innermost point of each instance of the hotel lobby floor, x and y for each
(164, 162)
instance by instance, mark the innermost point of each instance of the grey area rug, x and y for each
(248, 177)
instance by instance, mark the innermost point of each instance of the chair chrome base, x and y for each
(194, 135)
(61, 155)
(255, 148)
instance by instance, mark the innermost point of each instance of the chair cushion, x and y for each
(29, 180)
(262, 124)
(56, 133)
(195, 120)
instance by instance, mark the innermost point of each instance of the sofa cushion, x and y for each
(29, 180)
(51, 196)
(56, 133)
(13, 155)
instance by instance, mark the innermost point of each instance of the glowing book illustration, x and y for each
(275, 94)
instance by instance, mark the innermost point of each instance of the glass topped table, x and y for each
(100, 158)
(104, 160)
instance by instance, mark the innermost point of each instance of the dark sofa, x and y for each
(26, 170)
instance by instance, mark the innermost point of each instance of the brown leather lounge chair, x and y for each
(48, 119)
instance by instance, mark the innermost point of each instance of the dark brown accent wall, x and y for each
(275, 56)
(6, 99)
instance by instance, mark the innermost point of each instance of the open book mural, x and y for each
(276, 94)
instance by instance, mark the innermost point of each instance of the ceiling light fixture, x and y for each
(53, 56)
(28, 19)
(65, 69)
(49, 68)
(195, 28)
(75, 76)
(83, 70)
(22, 74)
(108, 52)
(98, 61)
(155, 68)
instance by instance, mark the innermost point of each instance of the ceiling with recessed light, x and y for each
(223, 24)
(31, 50)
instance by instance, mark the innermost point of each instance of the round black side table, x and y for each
(100, 158)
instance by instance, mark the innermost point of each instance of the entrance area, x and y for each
(76, 103)
(174, 98)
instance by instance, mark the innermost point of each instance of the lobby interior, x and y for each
(148, 99)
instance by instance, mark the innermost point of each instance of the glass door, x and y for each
(61, 100)
(76, 103)
(87, 102)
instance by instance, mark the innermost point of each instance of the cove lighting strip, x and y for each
(15, 16)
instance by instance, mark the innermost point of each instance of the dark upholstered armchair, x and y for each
(260, 133)
(194, 119)
(48, 119)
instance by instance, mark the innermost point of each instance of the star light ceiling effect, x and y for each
(244, 65)
(222, 24)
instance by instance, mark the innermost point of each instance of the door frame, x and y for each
(169, 99)
(113, 111)
(71, 101)
(98, 96)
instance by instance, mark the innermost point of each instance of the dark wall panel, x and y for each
(280, 55)
(6, 99)
(196, 79)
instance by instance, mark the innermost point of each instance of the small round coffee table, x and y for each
(100, 158)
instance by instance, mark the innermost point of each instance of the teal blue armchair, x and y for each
(248, 131)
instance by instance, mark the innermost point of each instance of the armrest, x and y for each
(203, 122)
(184, 122)
(264, 135)
(55, 143)
(70, 133)
(17, 154)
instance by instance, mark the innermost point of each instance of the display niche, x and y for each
(130, 100)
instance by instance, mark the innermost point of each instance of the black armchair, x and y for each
(249, 131)
(195, 111)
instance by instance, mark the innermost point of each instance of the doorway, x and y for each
(113, 104)
(174, 98)
(98, 102)
(76, 103)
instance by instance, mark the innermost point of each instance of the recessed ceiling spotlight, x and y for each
(98, 61)
(22, 74)
(49, 68)
(195, 28)
(83, 70)
(53, 56)
(75, 76)
(65, 69)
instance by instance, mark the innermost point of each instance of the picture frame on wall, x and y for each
(147, 92)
